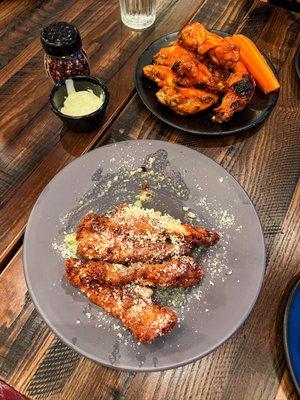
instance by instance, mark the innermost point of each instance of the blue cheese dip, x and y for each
(84, 102)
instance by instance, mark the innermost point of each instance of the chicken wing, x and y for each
(183, 271)
(195, 37)
(161, 75)
(189, 75)
(131, 304)
(241, 89)
(186, 101)
(188, 69)
(173, 52)
(221, 52)
(220, 74)
(192, 36)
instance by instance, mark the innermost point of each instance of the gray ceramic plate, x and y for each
(178, 177)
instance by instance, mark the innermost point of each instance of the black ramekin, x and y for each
(83, 123)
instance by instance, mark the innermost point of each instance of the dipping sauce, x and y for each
(78, 104)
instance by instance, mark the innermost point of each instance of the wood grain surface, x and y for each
(34, 146)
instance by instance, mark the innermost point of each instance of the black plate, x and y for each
(254, 114)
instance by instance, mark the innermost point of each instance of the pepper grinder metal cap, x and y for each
(60, 39)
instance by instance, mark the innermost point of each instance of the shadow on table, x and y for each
(197, 141)
(74, 142)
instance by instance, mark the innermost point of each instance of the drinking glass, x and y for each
(138, 14)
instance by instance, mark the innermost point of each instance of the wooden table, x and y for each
(35, 146)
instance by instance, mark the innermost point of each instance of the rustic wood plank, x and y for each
(19, 41)
(10, 11)
(286, 390)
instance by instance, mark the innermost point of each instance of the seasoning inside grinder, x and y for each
(81, 103)
(64, 56)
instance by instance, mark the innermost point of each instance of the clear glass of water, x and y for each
(138, 14)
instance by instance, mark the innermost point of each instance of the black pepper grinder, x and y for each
(64, 55)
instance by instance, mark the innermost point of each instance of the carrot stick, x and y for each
(255, 63)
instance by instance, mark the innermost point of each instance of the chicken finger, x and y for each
(184, 272)
(145, 320)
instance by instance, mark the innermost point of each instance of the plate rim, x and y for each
(286, 346)
(255, 124)
(142, 369)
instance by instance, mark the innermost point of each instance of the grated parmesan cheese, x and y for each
(68, 248)
(164, 221)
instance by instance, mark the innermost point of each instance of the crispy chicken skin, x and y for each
(112, 247)
(198, 75)
(220, 74)
(220, 51)
(126, 236)
(168, 55)
(161, 75)
(189, 71)
(241, 88)
(195, 37)
(212, 41)
(183, 271)
(145, 320)
(192, 36)
(123, 219)
(225, 55)
(186, 101)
